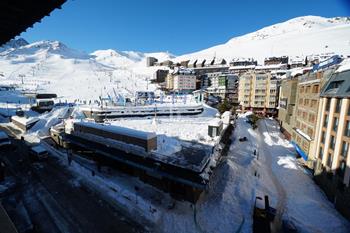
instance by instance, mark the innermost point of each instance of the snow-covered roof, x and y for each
(296, 60)
(119, 130)
(215, 122)
(344, 66)
(242, 67)
(3, 135)
(226, 113)
(309, 82)
(182, 70)
(275, 66)
(24, 120)
(307, 137)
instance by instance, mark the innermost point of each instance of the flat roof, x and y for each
(38, 149)
(24, 120)
(118, 130)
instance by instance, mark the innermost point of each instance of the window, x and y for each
(301, 101)
(335, 124)
(311, 118)
(347, 129)
(308, 89)
(310, 132)
(315, 89)
(325, 123)
(302, 89)
(333, 86)
(338, 106)
(329, 160)
(323, 137)
(320, 154)
(328, 104)
(306, 102)
(313, 103)
(344, 149)
(332, 142)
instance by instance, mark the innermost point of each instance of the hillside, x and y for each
(51, 66)
(296, 37)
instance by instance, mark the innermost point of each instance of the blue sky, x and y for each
(177, 26)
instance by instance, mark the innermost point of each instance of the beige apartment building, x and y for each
(184, 82)
(181, 81)
(258, 91)
(306, 113)
(332, 170)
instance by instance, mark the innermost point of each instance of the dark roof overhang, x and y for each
(18, 15)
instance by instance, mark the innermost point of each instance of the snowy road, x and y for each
(282, 196)
(299, 199)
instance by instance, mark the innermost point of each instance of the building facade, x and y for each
(184, 82)
(224, 86)
(332, 170)
(287, 100)
(160, 75)
(258, 91)
(306, 113)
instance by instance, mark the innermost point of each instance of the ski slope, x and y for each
(296, 37)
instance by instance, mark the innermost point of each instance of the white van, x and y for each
(38, 152)
(4, 139)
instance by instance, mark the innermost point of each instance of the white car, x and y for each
(4, 139)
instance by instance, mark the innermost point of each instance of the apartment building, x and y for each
(224, 86)
(286, 107)
(332, 170)
(181, 80)
(306, 113)
(276, 60)
(160, 75)
(258, 91)
(184, 82)
(218, 86)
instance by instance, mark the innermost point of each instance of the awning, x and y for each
(300, 151)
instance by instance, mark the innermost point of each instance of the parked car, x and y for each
(38, 153)
(4, 139)
(243, 139)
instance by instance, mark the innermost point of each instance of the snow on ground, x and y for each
(50, 66)
(174, 131)
(46, 121)
(305, 204)
(226, 206)
(10, 101)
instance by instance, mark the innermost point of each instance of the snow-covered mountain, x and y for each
(53, 67)
(296, 37)
(14, 44)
